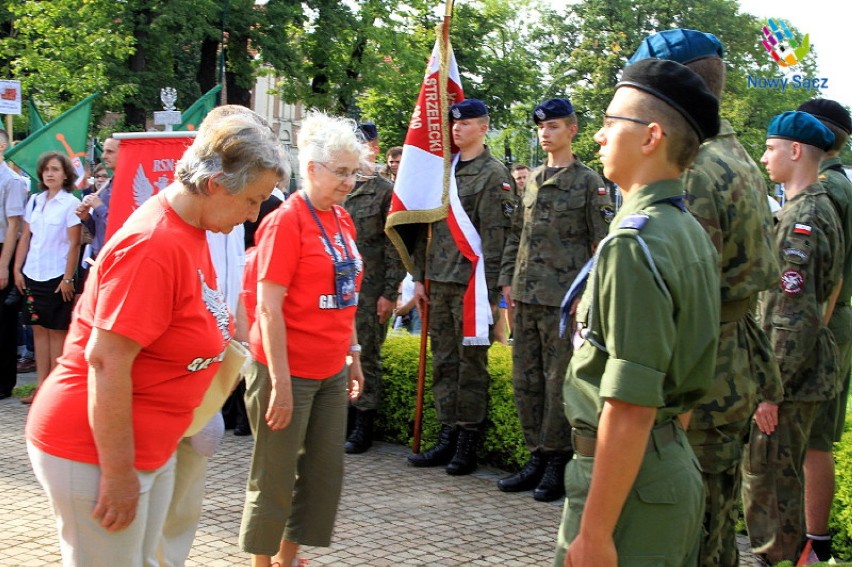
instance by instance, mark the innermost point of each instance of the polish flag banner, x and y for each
(425, 188)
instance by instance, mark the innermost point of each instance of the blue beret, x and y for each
(468, 108)
(368, 131)
(801, 127)
(828, 111)
(552, 108)
(681, 45)
(678, 87)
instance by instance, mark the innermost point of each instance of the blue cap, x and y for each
(552, 108)
(801, 127)
(681, 45)
(468, 108)
(368, 131)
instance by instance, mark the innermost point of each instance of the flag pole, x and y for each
(421, 366)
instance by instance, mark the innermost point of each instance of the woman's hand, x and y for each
(355, 383)
(118, 497)
(280, 409)
(66, 288)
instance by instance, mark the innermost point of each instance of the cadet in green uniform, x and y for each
(809, 237)
(368, 204)
(726, 193)
(645, 335)
(460, 373)
(565, 211)
(828, 424)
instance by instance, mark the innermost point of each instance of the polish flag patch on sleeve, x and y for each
(601, 190)
(506, 186)
(800, 228)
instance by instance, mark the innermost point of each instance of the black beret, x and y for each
(828, 111)
(801, 127)
(681, 45)
(468, 108)
(678, 87)
(368, 131)
(552, 108)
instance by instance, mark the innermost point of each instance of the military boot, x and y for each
(464, 461)
(361, 437)
(552, 485)
(525, 479)
(441, 453)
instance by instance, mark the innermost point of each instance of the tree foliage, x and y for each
(365, 58)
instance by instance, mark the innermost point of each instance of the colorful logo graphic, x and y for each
(782, 45)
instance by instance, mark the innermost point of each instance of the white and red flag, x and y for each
(425, 188)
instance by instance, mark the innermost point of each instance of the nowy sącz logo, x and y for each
(787, 51)
(782, 44)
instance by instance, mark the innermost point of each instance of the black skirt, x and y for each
(44, 306)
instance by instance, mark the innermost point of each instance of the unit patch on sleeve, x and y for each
(792, 282)
(607, 213)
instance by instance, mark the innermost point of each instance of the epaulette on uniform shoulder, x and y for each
(636, 221)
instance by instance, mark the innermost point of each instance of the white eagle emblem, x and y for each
(540, 114)
(214, 300)
(142, 188)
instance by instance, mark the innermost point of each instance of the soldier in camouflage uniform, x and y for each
(368, 204)
(726, 193)
(460, 373)
(828, 425)
(808, 235)
(565, 211)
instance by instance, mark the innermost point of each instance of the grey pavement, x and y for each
(390, 513)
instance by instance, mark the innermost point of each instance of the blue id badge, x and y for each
(345, 272)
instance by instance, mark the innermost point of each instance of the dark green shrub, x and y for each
(503, 445)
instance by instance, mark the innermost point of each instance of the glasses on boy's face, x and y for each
(610, 118)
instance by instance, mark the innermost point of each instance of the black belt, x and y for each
(584, 442)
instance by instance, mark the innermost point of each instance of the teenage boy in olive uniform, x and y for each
(810, 243)
(726, 193)
(460, 372)
(565, 211)
(645, 335)
(831, 416)
(368, 204)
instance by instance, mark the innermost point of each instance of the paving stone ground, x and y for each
(390, 515)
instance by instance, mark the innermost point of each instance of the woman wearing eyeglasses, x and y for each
(308, 276)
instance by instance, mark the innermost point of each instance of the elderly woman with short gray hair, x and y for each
(308, 273)
(148, 335)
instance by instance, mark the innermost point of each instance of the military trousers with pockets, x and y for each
(773, 483)
(539, 362)
(660, 523)
(459, 373)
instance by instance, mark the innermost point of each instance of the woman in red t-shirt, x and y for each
(148, 334)
(308, 272)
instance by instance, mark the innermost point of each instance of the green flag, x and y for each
(193, 115)
(36, 121)
(67, 134)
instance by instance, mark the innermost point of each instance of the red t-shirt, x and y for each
(154, 283)
(291, 251)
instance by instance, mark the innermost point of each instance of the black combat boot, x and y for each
(361, 437)
(525, 479)
(552, 485)
(464, 461)
(441, 453)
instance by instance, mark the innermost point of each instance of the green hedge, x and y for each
(504, 447)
